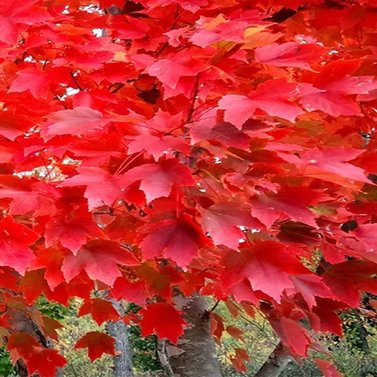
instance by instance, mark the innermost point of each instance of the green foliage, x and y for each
(53, 309)
(6, 367)
(144, 351)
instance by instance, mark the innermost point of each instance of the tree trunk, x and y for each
(275, 364)
(118, 330)
(195, 353)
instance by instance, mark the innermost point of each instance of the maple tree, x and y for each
(216, 147)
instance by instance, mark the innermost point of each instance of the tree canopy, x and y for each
(216, 147)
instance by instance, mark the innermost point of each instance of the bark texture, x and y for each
(118, 330)
(275, 364)
(195, 353)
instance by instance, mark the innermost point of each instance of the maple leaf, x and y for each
(45, 362)
(163, 320)
(178, 240)
(366, 234)
(32, 79)
(15, 240)
(335, 84)
(183, 64)
(100, 310)
(72, 232)
(158, 280)
(219, 29)
(223, 222)
(99, 259)
(97, 344)
(158, 146)
(13, 125)
(78, 121)
(268, 266)
(51, 260)
(289, 202)
(32, 285)
(273, 97)
(50, 326)
(38, 359)
(223, 132)
(311, 285)
(15, 16)
(346, 280)
(327, 368)
(324, 164)
(101, 187)
(28, 195)
(238, 361)
(158, 179)
(290, 54)
(134, 292)
(20, 344)
(235, 332)
(293, 336)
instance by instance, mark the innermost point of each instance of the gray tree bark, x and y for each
(275, 364)
(195, 353)
(118, 330)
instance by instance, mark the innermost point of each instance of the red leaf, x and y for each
(31, 79)
(163, 320)
(327, 368)
(45, 362)
(157, 180)
(235, 332)
(268, 266)
(238, 361)
(183, 64)
(28, 195)
(223, 221)
(367, 235)
(293, 336)
(16, 15)
(289, 202)
(99, 259)
(97, 344)
(178, 240)
(219, 29)
(71, 122)
(224, 133)
(336, 84)
(38, 359)
(14, 243)
(51, 260)
(310, 286)
(290, 54)
(100, 310)
(32, 285)
(71, 231)
(272, 96)
(101, 187)
(158, 146)
(134, 292)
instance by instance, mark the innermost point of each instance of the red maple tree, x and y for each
(219, 147)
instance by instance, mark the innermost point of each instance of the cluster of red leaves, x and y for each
(224, 147)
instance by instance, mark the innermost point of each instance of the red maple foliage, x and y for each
(220, 147)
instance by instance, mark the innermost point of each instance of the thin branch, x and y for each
(76, 82)
(214, 306)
